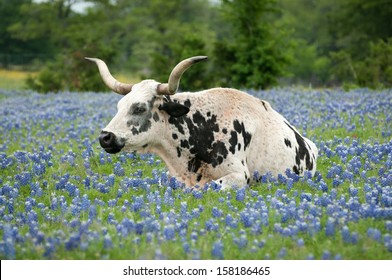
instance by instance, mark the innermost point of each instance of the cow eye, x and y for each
(139, 110)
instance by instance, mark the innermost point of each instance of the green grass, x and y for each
(13, 79)
(135, 246)
(124, 248)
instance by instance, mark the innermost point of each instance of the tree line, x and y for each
(250, 44)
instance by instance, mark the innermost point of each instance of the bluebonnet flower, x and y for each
(110, 180)
(229, 219)
(330, 227)
(85, 204)
(92, 213)
(8, 242)
(241, 242)
(326, 255)
(183, 208)
(70, 188)
(374, 234)
(216, 213)
(112, 203)
(300, 242)
(240, 194)
(137, 204)
(5, 161)
(73, 241)
(217, 249)
(282, 253)
(306, 196)
(21, 156)
(388, 225)
(118, 169)
(139, 228)
(24, 178)
(107, 242)
(197, 194)
(168, 232)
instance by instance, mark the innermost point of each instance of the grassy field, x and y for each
(62, 197)
(13, 79)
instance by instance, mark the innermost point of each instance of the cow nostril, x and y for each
(106, 138)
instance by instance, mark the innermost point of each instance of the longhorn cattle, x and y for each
(221, 134)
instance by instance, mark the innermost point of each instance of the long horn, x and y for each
(109, 80)
(174, 79)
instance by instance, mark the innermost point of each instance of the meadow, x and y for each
(63, 197)
(14, 79)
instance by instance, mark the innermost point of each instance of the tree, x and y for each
(355, 23)
(73, 36)
(14, 49)
(254, 55)
(362, 45)
(169, 31)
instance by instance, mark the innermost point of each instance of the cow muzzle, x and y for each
(110, 142)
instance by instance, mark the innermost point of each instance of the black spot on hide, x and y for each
(239, 128)
(184, 144)
(233, 141)
(287, 142)
(187, 103)
(265, 107)
(301, 153)
(145, 126)
(295, 169)
(134, 131)
(141, 121)
(201, 143)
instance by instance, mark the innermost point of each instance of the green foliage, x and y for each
(171, 31)
(250, 44)
(68, 72)
(355, 23)
(374, 71)
(254, 54)
(13, 48)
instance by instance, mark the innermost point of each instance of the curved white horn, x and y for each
(108, 79)
(174, 79)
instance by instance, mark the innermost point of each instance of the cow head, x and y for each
(136, 124)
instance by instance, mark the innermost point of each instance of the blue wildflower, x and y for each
(300, 242)
(330, 227)
(388, 225)
(326, 255)
(107, 242)
(282, 253)
(217, 249)
(240, 194)
(374, 234)
(168, 232)
(197, 194)
(118, 169)
(216, 213)
(139, 228)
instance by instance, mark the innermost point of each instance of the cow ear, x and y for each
(174, 109)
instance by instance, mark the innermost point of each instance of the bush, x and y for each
(375, 71)
(70, 72)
